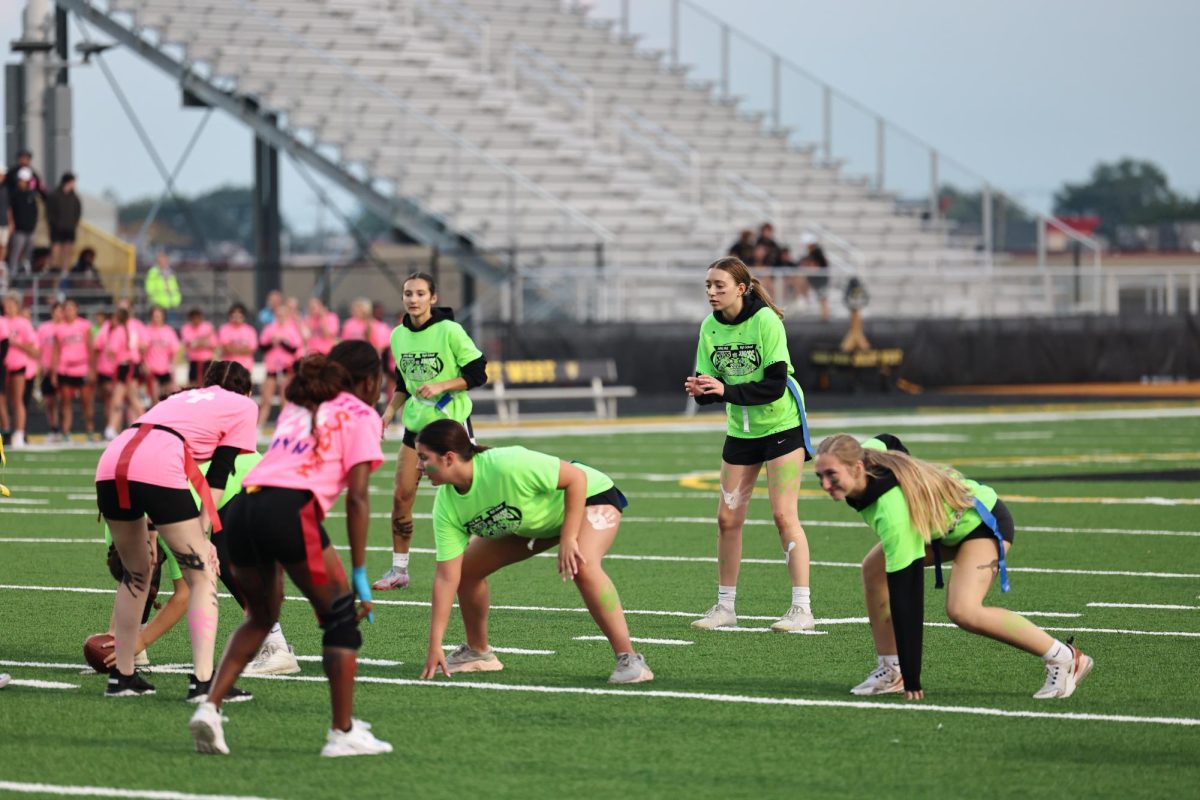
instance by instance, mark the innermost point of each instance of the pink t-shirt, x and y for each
(347, 434)
(73, 356)
(3, 328)
(277, 357)
(374, 331)
(199, 341)
(117, 344)
(20, 331)
(242, 336)
(45, 336)
(161, 345)
(322, 332)
(207, 418)
(106, 364)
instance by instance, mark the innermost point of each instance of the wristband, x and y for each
(362, 588)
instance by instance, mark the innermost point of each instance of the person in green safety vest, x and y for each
(162, 288)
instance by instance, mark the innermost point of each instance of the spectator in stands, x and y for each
(25, 162)
(320, 328)
(766, 238)
(64, 211)
(816, 270)
(5, 225)
(785, 257)
(24, 210)
(760, 258)
(82, 280)
(743, 248)
(266, 314)
(162, 287)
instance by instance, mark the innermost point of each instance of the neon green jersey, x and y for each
(740, 353)
(902, 544)
(514, 491)
(241, 465)
(435, 353)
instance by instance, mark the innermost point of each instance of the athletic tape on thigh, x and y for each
(310, 526)
(794, 388)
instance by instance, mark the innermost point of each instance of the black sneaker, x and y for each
(126, 685)
(198, 692)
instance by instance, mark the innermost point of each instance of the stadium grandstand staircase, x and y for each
(516, 134)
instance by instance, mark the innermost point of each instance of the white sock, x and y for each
(1058, 653)
(275, 635)
(802, 596)
(400, 561)
(726, 595)
(892, 662)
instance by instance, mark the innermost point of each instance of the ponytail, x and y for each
(228, 375)
(758, 289)
(447, 436)
(317, 379)
(928, 488)
(741, 274)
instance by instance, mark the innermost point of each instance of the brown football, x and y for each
(95, 651)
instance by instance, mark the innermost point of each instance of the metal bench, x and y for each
(511, 382)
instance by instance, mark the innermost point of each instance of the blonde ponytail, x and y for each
(757, 287)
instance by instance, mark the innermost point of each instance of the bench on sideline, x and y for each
(511, 382)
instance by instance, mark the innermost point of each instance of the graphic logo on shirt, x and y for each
(420, 367)
(736, 359)
(500, 520)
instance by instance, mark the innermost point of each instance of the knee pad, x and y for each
(340, 625)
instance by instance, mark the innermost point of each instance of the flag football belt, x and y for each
(989, 519)
(794, 388)
(191, 469)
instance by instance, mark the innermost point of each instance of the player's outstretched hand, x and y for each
(917, 695)
(570, 560)
(436, 660)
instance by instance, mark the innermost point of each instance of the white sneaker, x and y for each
(358, 741)
(884, 680)
(207, 730)
(141, 659)
(798, 618)
(631, 668)
(273, 659)
(464, 659)
(18, 440)
(4, 679)
(718, 616)
(394, 578)
(1061, 679)
(110, 434)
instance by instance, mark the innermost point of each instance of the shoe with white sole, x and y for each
(798, 618)
(394, 578)
(1061, 679)
(885, 679)
(631, 668)
(464, 659)
(273, 659)
(358, 741)
(718, 616)
(208, 731)
(127, 685)
(4, 679)
(18, 440)
(198, 692)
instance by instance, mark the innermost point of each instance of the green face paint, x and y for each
(610, 601)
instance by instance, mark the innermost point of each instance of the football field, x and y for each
(1107, 550)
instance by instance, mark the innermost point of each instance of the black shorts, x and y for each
(62, 236)
(196, 370)
(161, 377)
(410, 436)
(747, 452)
(162, 505)
(1004, 521)
(609, 497)
(48, 388)
(274, 525)
(102, 379)
(126, 370)
(74, 381)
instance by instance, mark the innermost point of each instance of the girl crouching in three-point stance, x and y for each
(923, 514)
(326, 441)
(516, 503)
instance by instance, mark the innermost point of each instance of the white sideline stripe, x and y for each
(103, 791)
(24, 501)
(1163, 606)
(516, 651)
(43, 684)
(705, 697)
(36, 540)
(741, 629)
(637, 639)
(371, 662)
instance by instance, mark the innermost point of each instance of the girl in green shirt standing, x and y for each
(923, 514)
(497, 506)
(436, 363)
(742, 359)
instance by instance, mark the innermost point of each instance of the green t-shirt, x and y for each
(436, 353)
(241, 465)
(170, 566)
(740, 354)
(902, 544)
(514, 492)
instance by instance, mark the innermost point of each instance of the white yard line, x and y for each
(42, 684)
(104, 791)
(516, 651)
(637, 639)
(1163, 606)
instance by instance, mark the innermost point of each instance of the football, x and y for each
(95, 649)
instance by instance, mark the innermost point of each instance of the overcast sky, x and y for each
(1026, 93)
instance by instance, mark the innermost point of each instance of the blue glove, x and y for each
(362, 588)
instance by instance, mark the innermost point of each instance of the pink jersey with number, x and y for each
(207, 418)
(374, 331)
(347, 434)
(322, 332)
(278, 357)
(20, 332)
(161, 345)
(199, 341)
(73, 355)
(45, 336)
(242, 335)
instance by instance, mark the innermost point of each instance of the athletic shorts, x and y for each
(1004, 521)
(74, 381)
(273, 525)
(410, 436)
(162, 505)
(48, 388)
(62, 236)
(161, 377)
(748, 452)
(609, 497)
(196, 370)
(125, 370)
(102, 379)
